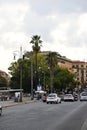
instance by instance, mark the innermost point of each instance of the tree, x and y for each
(36, 44)
(63, 79)
(3, 82)
(52, 61)
(15, 74)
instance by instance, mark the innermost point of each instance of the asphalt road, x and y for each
(42, 116)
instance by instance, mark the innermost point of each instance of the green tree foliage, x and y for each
(63, 79)
(36, 43)
(15, 72)
(3, 82)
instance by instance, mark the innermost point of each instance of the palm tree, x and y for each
(52, 59)
(36, 45)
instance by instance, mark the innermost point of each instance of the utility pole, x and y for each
(21, 57)
(31, 80)
(51, 81)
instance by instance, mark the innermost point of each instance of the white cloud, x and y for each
(62, 26)
(83, 21)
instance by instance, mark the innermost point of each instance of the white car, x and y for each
(83, 96)
(0, 110)
(53, 98)
(68, 97)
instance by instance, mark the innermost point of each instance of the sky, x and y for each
(62, 25)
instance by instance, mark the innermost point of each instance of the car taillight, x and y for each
(72, 97)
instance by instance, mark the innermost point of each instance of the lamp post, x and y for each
(21, 75)
(21, 57)
(31, 81)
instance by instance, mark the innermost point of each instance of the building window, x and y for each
(77, 66)
(63, 62)
(73, 66)
(77, 78)
(82, 66)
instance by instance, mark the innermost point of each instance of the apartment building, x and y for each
(80, 70)
(65, 63)
(62, 61)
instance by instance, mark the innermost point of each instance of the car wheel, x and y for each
(60, 102)
(56, 102)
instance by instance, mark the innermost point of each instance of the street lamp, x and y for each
(21, 57)
(21, 75)
(31, 81)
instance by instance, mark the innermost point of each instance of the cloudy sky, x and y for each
(62, 25)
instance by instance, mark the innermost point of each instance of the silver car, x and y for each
(68, 97)
(83, 96)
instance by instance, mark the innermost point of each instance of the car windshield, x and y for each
(52, 95)
(68, 95)
(84, 94)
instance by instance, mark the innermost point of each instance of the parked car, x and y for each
(83, 96)
(0, 110)
(68, 97)
(53, 98)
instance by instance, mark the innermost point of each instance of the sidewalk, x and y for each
(9, 103)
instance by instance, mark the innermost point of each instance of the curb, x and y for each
(19, 103)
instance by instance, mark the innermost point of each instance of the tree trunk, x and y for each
(36, 73)
(51, 80)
